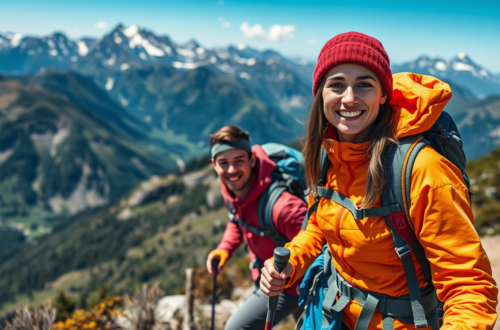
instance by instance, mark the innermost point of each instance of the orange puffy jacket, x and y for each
(363, 251)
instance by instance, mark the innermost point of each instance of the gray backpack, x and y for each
(421, 307)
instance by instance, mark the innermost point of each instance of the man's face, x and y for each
(234, 168)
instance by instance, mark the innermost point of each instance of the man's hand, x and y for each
(272, 282)
(216, 254)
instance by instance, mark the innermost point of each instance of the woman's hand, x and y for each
(216, 254)
(272, 282)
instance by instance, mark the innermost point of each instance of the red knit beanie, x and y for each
(358, 48)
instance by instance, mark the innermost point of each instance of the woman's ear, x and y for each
(383, 97)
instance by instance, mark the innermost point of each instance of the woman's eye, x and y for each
(336, 85)
(364, 85)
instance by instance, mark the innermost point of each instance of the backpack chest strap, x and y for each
(357, 213)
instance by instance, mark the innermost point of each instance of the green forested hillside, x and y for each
(484, 174)
(57, 158)
(157, 230)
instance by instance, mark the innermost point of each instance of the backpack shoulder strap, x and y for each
(324, 165)
(265, 211)
(397, 190)
(243, 224)
(399, 163)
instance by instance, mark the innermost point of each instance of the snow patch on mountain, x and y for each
(131, 30)
(459, 66)
(82, 48)
(186, 52)
(109, 83)
(15, 39)
(137, 40)
(245, 75)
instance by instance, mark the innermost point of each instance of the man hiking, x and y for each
(246, 174)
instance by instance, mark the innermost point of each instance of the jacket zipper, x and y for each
(339, 218)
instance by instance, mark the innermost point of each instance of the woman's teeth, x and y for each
(350, 114)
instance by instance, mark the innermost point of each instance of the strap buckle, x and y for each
(403, 251)
(345, 287)
(360, 214)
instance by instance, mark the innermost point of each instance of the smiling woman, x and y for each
(365, 125)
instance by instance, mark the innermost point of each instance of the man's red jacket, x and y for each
(288, 214)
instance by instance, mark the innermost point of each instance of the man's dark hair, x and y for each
(229, 133)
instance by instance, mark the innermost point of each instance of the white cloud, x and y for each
(101, 25)
(253, 32)
(225, 23)
(276, 32)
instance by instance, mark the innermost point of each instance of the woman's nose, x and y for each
(348, 96)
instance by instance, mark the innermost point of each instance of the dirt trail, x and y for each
(492, 246)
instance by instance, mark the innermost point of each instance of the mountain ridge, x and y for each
(57, 158)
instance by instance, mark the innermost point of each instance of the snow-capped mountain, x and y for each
(460, 70)
(279, 81)
(123, 48)
(25, 55)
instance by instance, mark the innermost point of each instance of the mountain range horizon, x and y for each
(84, 42)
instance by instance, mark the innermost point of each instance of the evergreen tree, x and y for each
(64, 306)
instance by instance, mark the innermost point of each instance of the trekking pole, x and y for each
(215, 266)
(281, 256)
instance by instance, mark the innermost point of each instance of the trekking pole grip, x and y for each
(215, 266)
(281, 257)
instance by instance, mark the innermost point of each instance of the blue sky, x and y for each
(407, 29)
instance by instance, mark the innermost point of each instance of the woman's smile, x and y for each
(350, 115)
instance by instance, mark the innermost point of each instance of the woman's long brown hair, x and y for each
(382, 136)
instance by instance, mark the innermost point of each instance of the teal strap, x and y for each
(415, 294)
(419, 252)
(310, 211)
(416, 247)
(341, 303)
(366, 313)
(357, 213)
(434, 321)
(325, 164)
(388, 323)
(266, 205)
(243, 224)
(329, 301)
